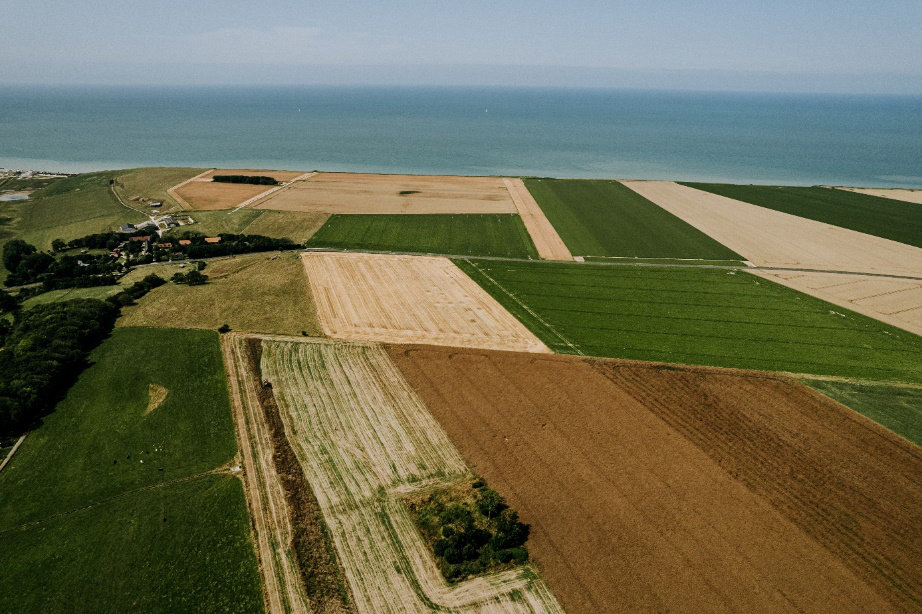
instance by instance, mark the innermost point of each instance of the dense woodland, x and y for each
(27, 265)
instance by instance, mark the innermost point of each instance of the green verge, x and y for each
(898, 408)
(84, 499)
(605, 218)
(882, 217)
(501, 234)
(696, 316)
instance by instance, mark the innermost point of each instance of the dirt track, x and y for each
(409, 299)
(368, 193)
(909, 196)
(549, 244)
(693, 490)
(897, 302)
(771, 238)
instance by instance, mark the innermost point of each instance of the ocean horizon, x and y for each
(793, 139)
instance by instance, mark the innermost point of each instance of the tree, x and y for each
(14, 252)
(194, 278)
(58, 245)
(224, 328)
(490, 503)
(8, 302)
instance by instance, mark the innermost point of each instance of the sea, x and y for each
(792, 139)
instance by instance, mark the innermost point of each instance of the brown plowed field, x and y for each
(367, 193)
(656, 488)
(202, 193)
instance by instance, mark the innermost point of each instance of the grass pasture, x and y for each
(603, 218)
(265, 293)
(697, 316)
(898, 408)
(882, 217)
(294, 225)
(152, 183)
(498, 234)
(103, 460)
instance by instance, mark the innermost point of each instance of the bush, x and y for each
(224, 328)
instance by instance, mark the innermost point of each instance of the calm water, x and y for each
(758, 138)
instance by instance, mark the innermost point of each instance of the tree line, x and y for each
(250, 179)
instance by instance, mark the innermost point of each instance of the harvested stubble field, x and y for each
(724, 318)
(909, 196)
(550, 245)
(771, 238)
(203, 193)
(657, 488)
(605, 218)
(466, 235)
(299, 227)
(264, 293)
(407, 299)
(364, 441)
(862, 212)
(407, 194)
(896, 301)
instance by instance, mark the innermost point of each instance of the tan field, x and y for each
(200, 192)
(409, 299)
(895, 301)
(366, 193)
(659, 488)
(549, 244)
(365, 441)
(774, 239)
(909, 196)
(264, 293)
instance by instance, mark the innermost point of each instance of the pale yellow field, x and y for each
(909, 196)
(409, 299)
(264, 293)
(366, 193)
(895, 301)
(549, 244)
(202, 193)
(365, 440)
(770, 238)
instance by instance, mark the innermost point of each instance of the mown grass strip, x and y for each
(882, 217)
(723, 318)
(499, 234)
(600, 218)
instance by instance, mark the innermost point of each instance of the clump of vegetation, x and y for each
(27, 265)
(470, 529)
(229, 244)
(129, 295)
(250, 179)
(224, 328)
(192, 278)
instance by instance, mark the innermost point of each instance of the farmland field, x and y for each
(298, 227)
(465, 235)
(899, 408)
(203, 193)
(695, 316)
(906, 195)
(409, 299)
(255, 292)
(114, 454)
(662, 488)
(605, 218)
(364, 440)
(883, 217)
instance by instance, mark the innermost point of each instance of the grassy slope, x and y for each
(883, 217)
(152, 183)
(294, 225)
(897, 408)
(85, 515)
(265, 293)
(605, 218)
(697, 316)
(55, 296)
(469, 234)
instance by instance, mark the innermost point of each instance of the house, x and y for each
(185, 242)
(142, 238)
(156, 204)
(127, 228)
(165, 245)
(212, 239)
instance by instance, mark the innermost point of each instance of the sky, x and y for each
(772, 45)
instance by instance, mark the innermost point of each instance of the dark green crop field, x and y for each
(115, 503)
(883, 217)
(501, 234)
(691, 315)
(896, 407)
(605, 218)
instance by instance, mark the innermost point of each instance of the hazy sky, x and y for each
(835, 45)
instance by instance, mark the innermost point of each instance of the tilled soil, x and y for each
(659, 488)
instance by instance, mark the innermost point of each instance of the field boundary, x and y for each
(543, 234)
(13, 451)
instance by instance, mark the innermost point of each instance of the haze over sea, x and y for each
(731, 137)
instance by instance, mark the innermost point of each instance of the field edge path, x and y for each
(543, 234)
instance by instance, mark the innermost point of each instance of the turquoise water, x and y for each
(757, 138)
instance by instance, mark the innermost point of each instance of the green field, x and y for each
(501, 234)
(605, 218)
(883, 217)
(897, 408)
(109, 507)
(696, 316)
